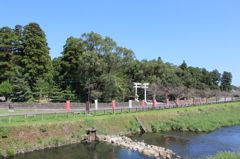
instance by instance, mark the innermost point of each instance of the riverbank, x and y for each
(29, 137)
(225, 155)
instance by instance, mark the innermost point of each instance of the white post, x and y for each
(136, 95)
(144, 85)
(96, 104)
(130, 103)
(145, 95)
(136, 86)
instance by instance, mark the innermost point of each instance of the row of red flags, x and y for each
(185, 101)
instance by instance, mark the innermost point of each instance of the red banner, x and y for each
(143, 103)
(185, 101)
(154, 103)
(67, 105)
(191, 100)
(113, 104)
(177, 101)
(167, 101)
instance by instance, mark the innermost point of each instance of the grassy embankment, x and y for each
(225, 155)
(27, 134)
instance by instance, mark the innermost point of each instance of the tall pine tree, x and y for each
(7, 36)
(226, 81)
(35, 58)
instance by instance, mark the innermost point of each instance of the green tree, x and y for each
(171, 76)
(7, 36)
(184, 75)
(56, 62)
(67, 66)
(69, 94)
(216, 77)
(18, 47)
(35, 58)
(21, 90)
(183, 66)
(106, 65)
(206, 77)
(226, 81)
(41, 88)
(5, 89)
(56, 92)
(72, 52)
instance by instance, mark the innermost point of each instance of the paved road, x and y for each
(148, 106)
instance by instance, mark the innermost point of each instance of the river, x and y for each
(185, 144)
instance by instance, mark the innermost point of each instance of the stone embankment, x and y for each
(148, 150)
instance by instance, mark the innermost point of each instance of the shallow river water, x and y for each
(185, 144)
(193, 144)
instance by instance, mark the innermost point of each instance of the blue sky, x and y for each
(204, 33)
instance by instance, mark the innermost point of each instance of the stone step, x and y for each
(143, 128)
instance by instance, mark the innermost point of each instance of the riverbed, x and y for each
(185, 144)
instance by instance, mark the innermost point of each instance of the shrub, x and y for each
(4, 132)
(73, 136)
(55, 141)
(43, 129)
(155, 127)
(39, 140)
(164, 127)
(10, 152)
(132, 126)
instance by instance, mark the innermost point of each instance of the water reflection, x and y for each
(84, 151)
(195, 144)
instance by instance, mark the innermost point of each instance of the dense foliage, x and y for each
(93, 67)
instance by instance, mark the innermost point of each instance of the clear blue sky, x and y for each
(204, 33)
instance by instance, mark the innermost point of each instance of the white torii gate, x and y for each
(141, 85)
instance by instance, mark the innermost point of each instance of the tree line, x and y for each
(91, 66)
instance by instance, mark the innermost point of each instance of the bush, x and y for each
(133, 126)
(155, 127)
(10, 152)
(39, 140)
(43, 129)
(4, 132)
(164, 127)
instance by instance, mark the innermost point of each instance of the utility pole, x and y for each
(89, 92)
(88, 89)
